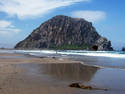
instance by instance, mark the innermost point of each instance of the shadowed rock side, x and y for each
(63, 32)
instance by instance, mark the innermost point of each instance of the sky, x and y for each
(18, 18)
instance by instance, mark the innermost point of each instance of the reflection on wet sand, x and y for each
(68, 71)
(63, 71)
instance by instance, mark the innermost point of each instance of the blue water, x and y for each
(112, 59)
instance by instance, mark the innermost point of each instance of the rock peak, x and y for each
(63, 32)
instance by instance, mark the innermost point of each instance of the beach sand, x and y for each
(18, 80)
(23, 74)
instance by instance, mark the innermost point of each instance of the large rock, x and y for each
(63, 32)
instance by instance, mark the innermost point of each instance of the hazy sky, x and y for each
(18, 18)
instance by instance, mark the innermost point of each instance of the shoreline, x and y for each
(18, 74)
(26, 58)
(48, 60)
(27, 74)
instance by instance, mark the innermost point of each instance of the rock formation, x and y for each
(81, 86)
(63, 32)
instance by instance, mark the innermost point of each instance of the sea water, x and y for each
(113, 59)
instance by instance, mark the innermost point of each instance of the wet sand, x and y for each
(23, 74)
(18, 75)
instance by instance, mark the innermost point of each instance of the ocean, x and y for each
(111, 59)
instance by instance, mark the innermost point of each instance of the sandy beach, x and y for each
(23, 74)
(15, 79)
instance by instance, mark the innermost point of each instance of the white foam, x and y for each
(112, 54)
(95, 53)
(37, 51)
(105, 55)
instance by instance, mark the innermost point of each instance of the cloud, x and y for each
(92, 16)
(32, 8)
(7, 28)
(4, 24)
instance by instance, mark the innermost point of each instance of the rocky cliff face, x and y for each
(63, 32)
